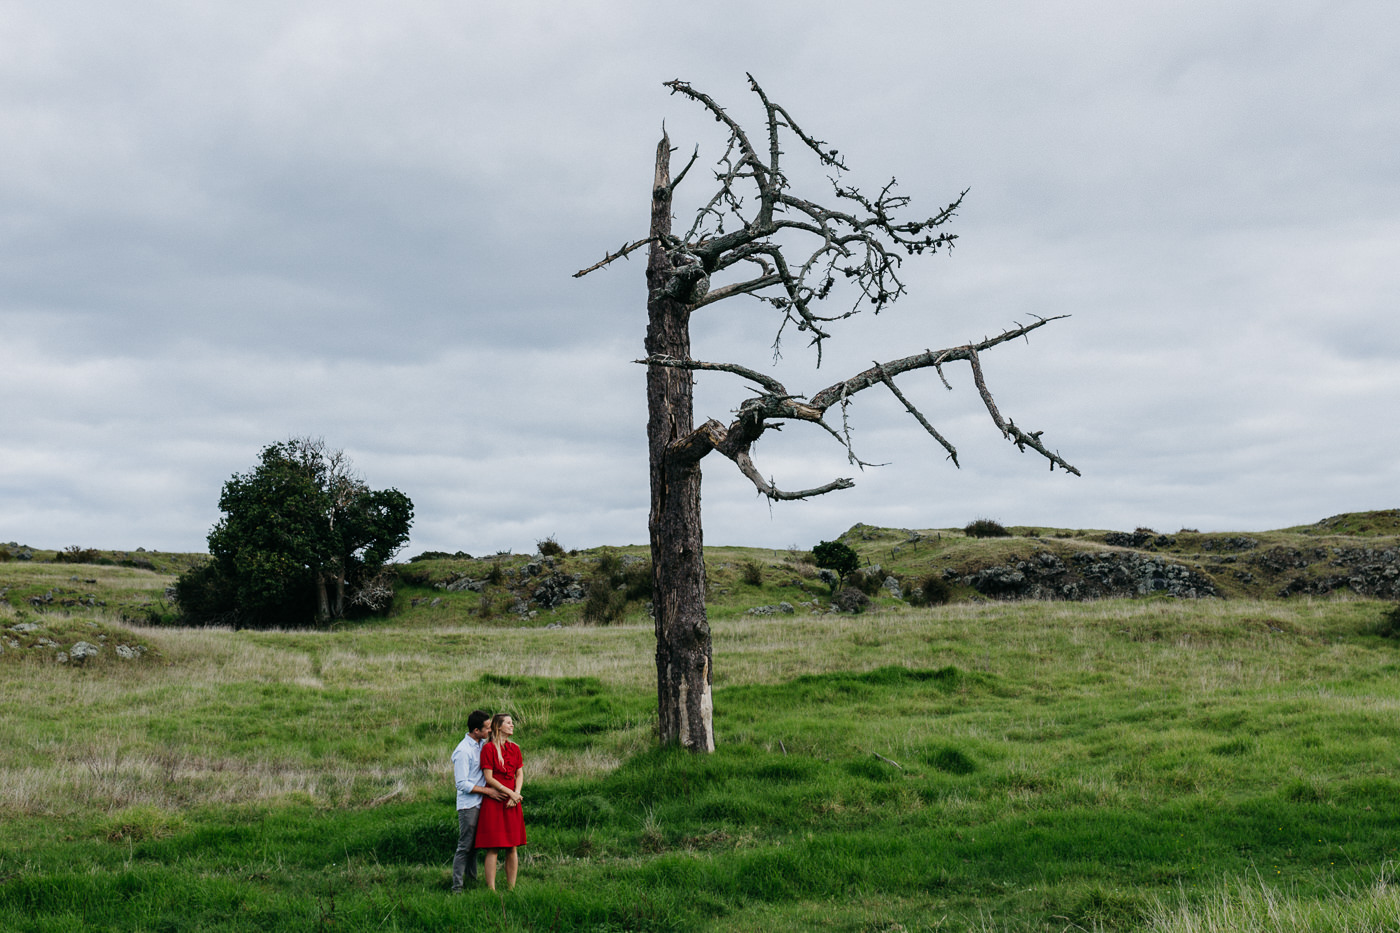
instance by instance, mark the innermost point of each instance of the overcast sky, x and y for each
(224, 224)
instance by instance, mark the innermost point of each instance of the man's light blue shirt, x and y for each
(466, 771)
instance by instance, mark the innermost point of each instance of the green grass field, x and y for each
(1118, 765)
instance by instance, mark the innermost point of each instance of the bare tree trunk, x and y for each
(323, 606)
(683, 644)
(339, 607)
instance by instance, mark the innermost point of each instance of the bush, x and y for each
(935, 590)
(77, 555)
(612, 585)
(751, 572)
(985, 528)
(868, 583)
(851, 600)
(550, 547)
(206, 596)
(833, 555)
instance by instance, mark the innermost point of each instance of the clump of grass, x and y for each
(1241, 906)
(138, 823)
(1388, 625)
(985, 528)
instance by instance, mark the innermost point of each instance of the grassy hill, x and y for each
(1120, 764)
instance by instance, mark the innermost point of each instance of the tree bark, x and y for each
(323, 606)
(683, 645)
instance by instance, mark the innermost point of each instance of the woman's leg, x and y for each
(489, 865)
(512, 865)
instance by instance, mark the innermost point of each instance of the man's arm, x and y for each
(459, 773)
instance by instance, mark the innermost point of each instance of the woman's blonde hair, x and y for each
(496, 721)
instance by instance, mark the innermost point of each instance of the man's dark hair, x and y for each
(477, 719)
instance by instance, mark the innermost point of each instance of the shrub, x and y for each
(5, 555)
(205, 596)
(550, 547)
(865, 581)
(985, 528)
(612, 585)
(751, 572)
(77, 555)
(833, 555)
(935, 590)
(850, 599)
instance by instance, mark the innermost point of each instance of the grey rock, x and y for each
(557, 589)
(83, 650)
(24, 627)
(892, 585)
(128, 653)
(784, 608)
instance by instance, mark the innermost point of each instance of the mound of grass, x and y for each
(1384, 522)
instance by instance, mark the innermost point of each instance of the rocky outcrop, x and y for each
(1089, 575)
(1373, 572)
(557, 589)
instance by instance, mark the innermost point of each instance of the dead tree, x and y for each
(743, 241)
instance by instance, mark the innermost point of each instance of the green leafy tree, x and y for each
(833, 555)
(302, 539)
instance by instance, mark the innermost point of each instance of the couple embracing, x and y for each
(488, 769)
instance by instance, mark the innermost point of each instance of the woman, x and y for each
(501, 826)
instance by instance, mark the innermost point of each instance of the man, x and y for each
(471, 787)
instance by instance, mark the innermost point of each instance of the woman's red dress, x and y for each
(499, 826)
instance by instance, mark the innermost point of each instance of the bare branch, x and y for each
(677, 180)
(768, 382)
(1020, 438)
(626, 248)
(738, 288)
(952, 451)
(829, 396)
(766, 487)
